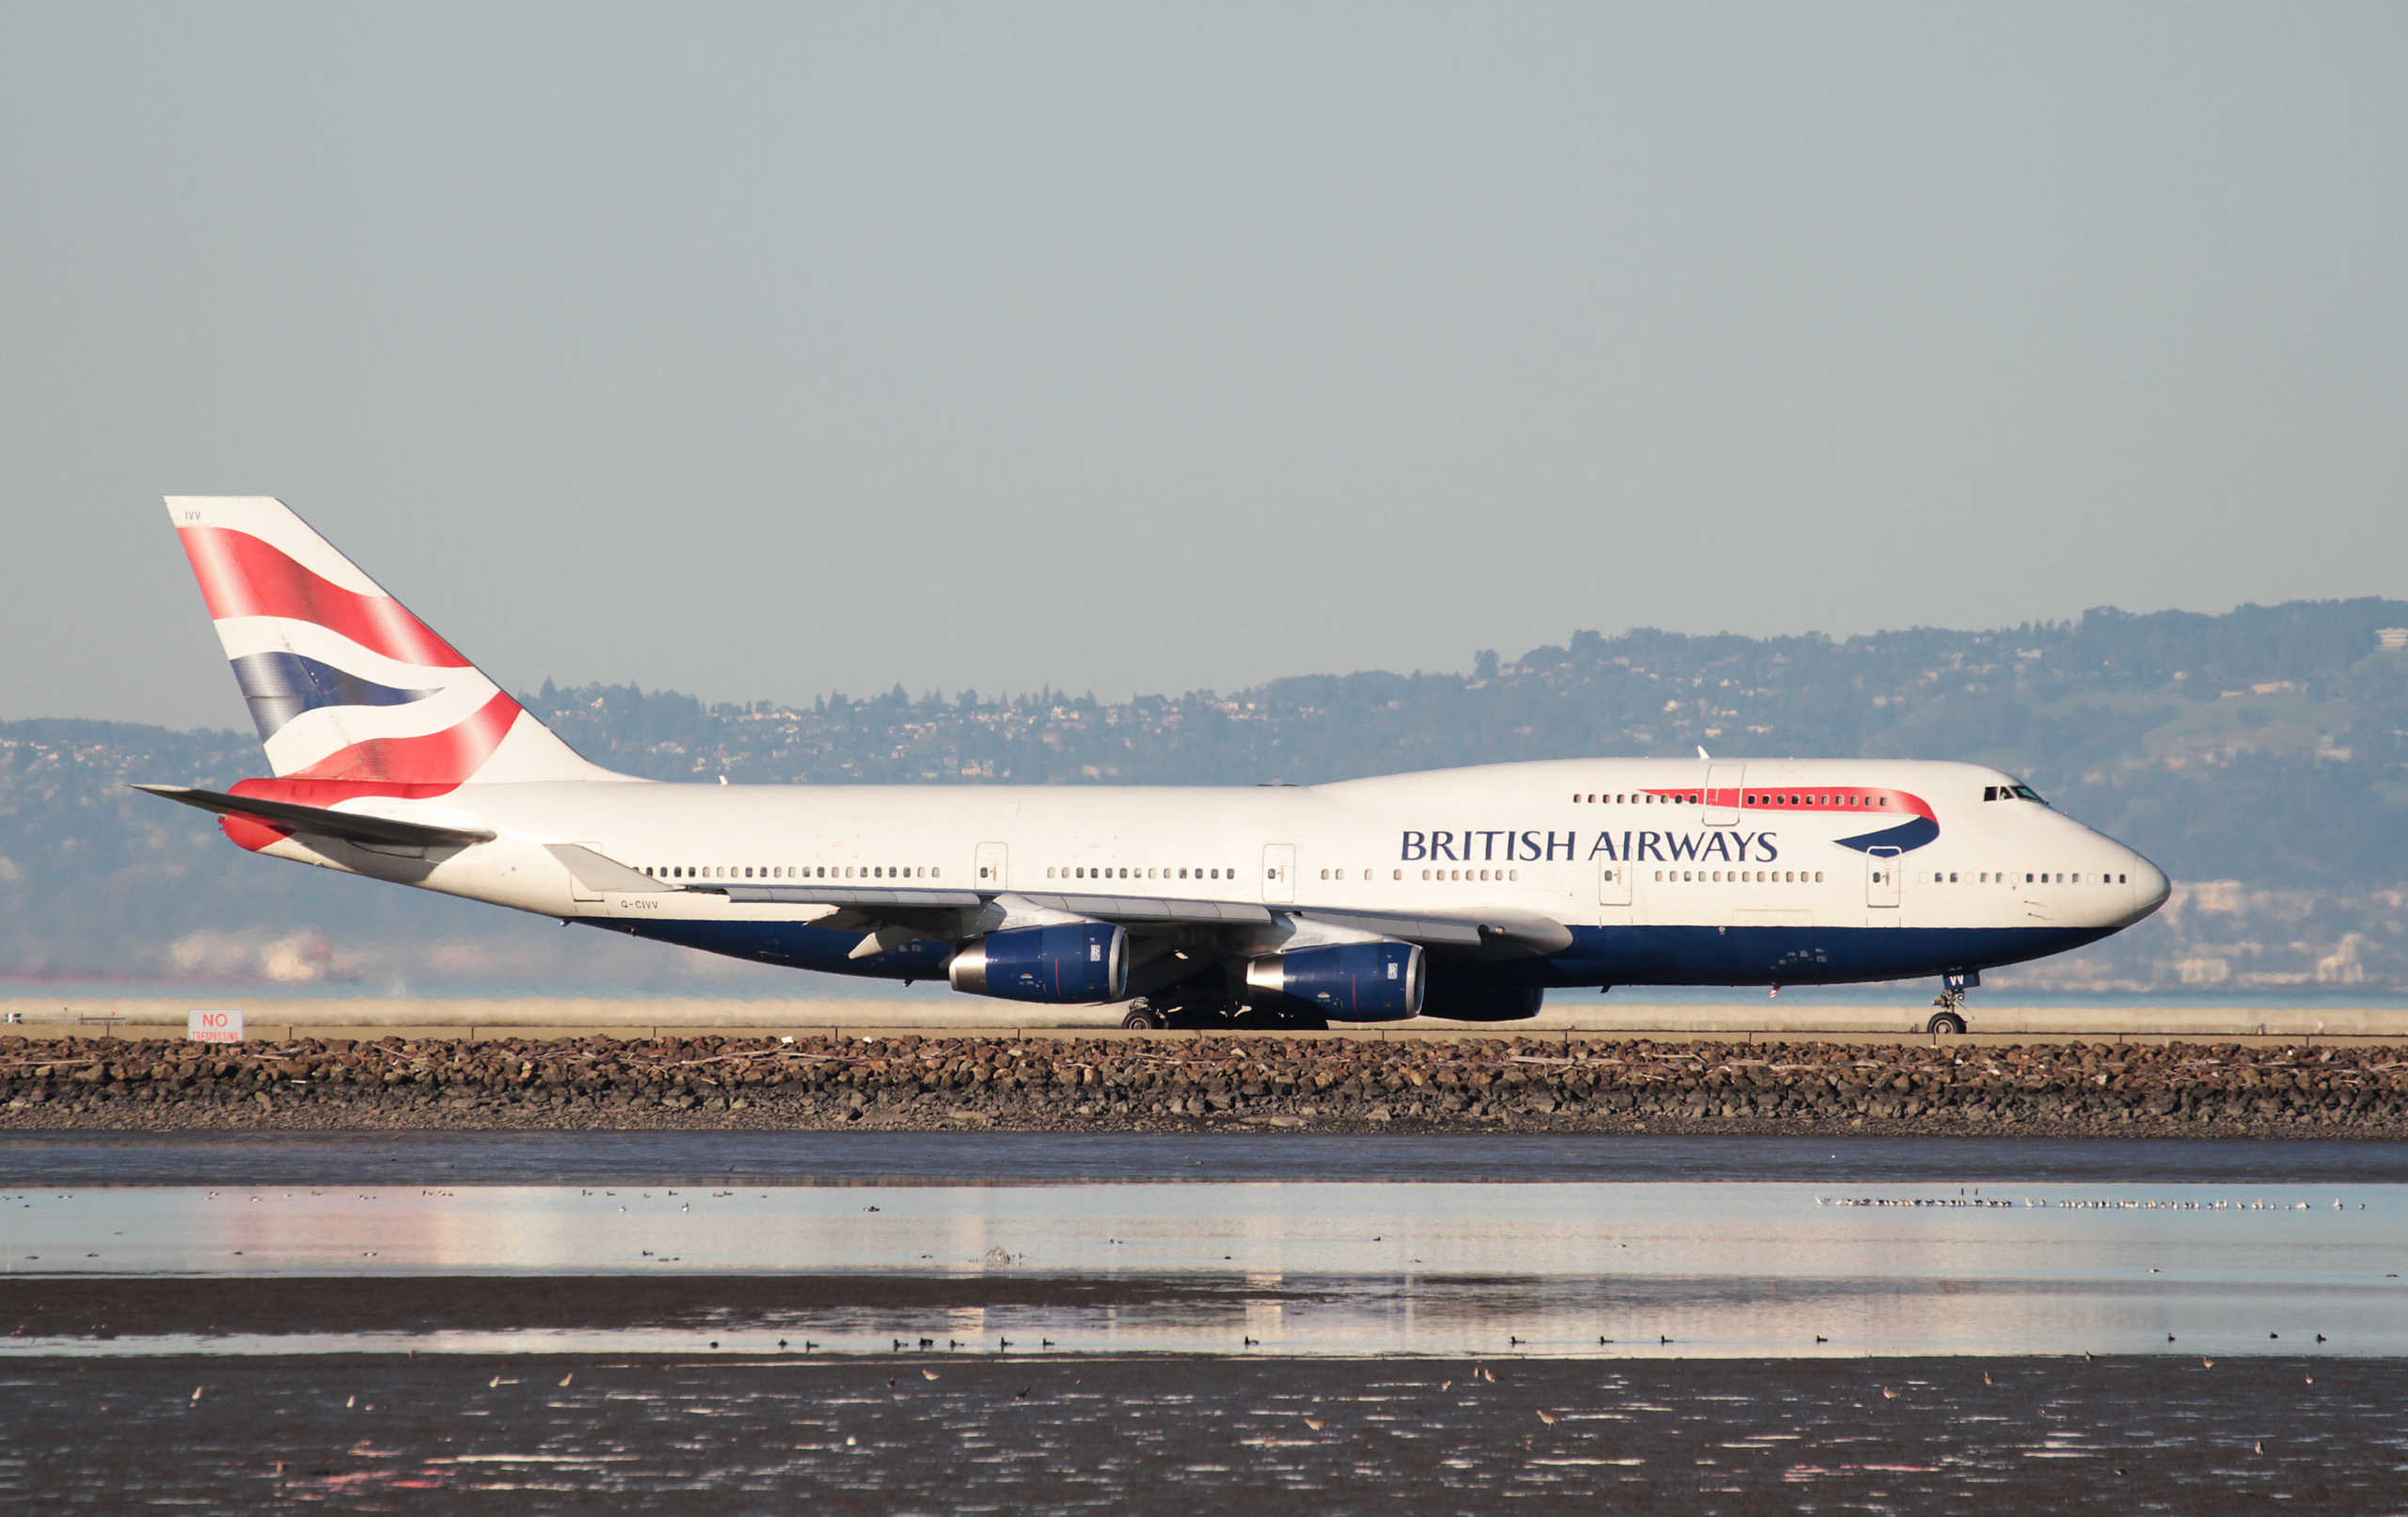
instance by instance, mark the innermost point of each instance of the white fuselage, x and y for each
(1606, 844)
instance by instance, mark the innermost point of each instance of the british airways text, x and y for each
(1506, 845)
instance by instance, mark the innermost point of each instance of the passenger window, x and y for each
(1399, 874)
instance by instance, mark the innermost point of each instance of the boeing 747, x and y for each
(1457, 893)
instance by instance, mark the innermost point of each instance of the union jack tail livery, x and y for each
(344, 684)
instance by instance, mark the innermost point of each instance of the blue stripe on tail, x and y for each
(280, 685)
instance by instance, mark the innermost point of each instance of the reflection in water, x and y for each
(1350, 1268)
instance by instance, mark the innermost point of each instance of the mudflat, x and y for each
(717, 1433)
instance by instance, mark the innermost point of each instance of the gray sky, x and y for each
(766, 351)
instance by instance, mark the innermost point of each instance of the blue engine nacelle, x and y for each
(1377, 982)
(1065, 963)
(1473, 1001)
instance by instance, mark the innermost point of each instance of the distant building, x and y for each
(2391, 639)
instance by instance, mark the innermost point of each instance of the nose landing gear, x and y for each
(1950, 1017)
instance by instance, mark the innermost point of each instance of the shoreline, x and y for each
(945, 1081)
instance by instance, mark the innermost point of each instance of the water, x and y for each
(64, 1159)
(1356, 1247)
(900, 1322)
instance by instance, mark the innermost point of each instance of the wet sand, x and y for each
(104, 1309)
(685, 1433)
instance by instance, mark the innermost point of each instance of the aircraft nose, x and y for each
(2149, 887)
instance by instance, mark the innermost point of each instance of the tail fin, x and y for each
(343, 683)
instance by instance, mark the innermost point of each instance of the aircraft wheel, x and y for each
(1145, 1018)
(1945, 1021)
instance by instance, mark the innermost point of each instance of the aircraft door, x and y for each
(1613, 884)
(1881, 877)
(988, 874)
(1724, 784)
(1279, 873)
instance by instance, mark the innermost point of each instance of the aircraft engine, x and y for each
(1475, 1001)
(1063, 963)
(1372, 982)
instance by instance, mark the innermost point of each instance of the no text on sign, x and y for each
(214, 1026)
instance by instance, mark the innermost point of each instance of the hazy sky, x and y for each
(762, 351)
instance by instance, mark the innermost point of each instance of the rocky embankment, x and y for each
(1329, 1085)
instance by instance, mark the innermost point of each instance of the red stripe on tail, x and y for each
(241, 575)
(446, 758)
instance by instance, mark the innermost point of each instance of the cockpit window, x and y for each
(2011, 792)
(2027, 793)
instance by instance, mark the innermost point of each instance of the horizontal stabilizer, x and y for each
(351, 827)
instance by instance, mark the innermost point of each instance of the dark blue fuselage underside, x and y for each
(1598, 955)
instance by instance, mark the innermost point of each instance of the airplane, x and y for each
(1461, 894)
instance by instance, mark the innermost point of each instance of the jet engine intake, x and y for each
(1368, 982)
(1062, 963)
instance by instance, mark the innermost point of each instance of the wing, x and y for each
(962, 913)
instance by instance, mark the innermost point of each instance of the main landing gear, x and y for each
(1950, 1017)
(1203, 1002)
(1145, 1016)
